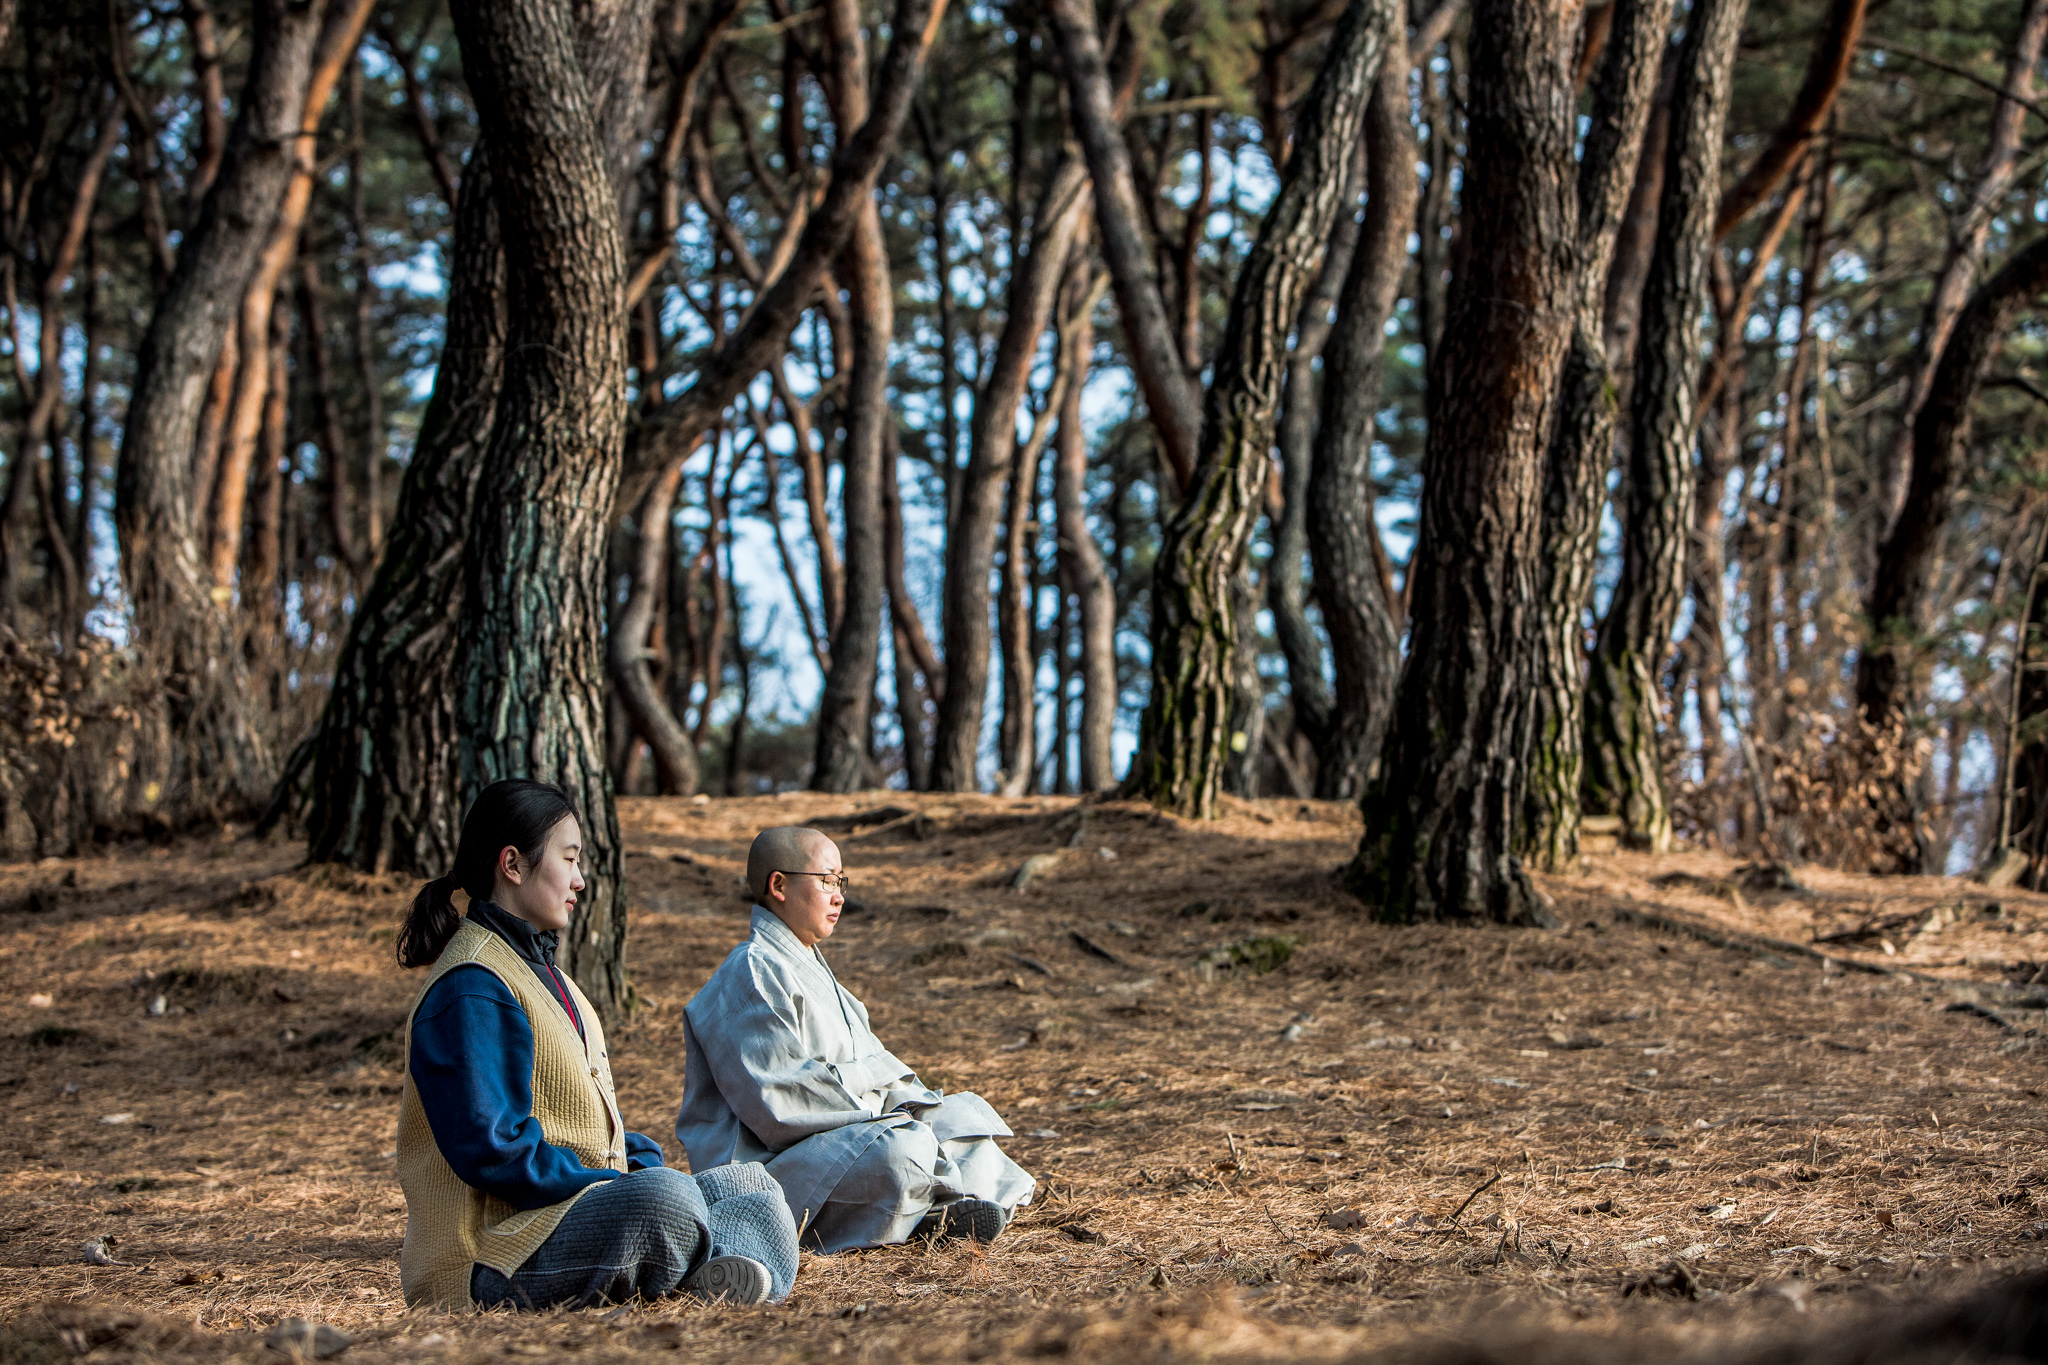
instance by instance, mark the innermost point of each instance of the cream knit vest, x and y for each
(450, 1226)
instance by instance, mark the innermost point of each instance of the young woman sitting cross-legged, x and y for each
(522, 1185)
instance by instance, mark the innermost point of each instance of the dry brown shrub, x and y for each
(66, 737)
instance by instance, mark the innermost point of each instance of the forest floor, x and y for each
(1675, 1143)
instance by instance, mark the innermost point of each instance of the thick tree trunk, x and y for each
(1582, 444)
(992, 449)
(531, 697)
(629, 653)
(1623, 772)
(1440, 839)
(1084, 565)
(1351, 578)
(202, 756)
(385, 788)
(846, 707)
(1186, 735)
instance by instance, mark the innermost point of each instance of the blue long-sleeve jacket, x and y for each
(472, 1063)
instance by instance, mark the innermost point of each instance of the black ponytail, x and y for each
(517, 813)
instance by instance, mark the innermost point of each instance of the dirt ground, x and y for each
(1619, 1131)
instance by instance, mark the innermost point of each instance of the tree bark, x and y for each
(1582, 444)
(1623, 773)
(1083, 563)
(2024, 814)
(992, 448)
(1440, 839)
(1172, 395)
(531, 697)
(846, 707)
(1351, 580)
(384, 786)
(1185, 737)
(205, 758)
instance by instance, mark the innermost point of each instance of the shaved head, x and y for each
(787, 848)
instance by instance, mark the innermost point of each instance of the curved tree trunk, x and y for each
(627, 651)
(531, 699)
(1623, 772)
(1171, 394)
(1827, 71)
(992, 448)
(1969, 232)
(1582, 446)
(384, 788)
(1186, 737)
(1352, 582)
(1440, 839)
(1287, 577)
(200, 756)
(1906, 559)
(1082, 560)
(384, 783)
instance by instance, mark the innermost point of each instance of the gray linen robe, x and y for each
(781, 1067)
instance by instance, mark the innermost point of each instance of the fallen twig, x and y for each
(1476, 1193)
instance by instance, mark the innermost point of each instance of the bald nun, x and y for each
(782, 1068)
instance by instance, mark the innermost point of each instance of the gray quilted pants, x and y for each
(642, 1234)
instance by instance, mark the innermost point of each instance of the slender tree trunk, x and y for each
(629, 653)
(1171, 394)
(1440, 840)
(1827, 71)
(1582, 443)
(531, 697)
(1287, 576)
(203, 756)
(263, 565)
(1623, 772)
(846, 707)
(244, 429)
(2023, 821)
(1968, 234)
(992, 449)
(1351, 577)
(1085, 566)
(903, 622)
(1889, 660)
(38, 444)
(334, 447)
(1186, 735)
